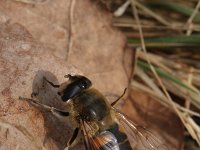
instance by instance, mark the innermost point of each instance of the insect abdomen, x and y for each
(106, 141)
(121, 137)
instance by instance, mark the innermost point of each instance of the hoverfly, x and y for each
(102, 125)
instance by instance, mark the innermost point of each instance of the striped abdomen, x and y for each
(111, 139)
(121, 137)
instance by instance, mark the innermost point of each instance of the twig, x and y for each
(71, 22)
(156, 75)
(122, 9)
(150, 12)
(189, 21)
(32, 1)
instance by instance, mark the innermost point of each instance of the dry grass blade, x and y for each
(189, 22)
(185, 113)
(127, 22)
(163, 100)
(180, 91)
(144, 49)
(155, 91)
(184, 89)
(151, 13)
(31, 1)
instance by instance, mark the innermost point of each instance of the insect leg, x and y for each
(51, 83)
(87, 146)
(113, 103)
(73, 138)
(86, 137)
(54, 111)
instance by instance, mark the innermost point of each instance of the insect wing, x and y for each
(102, 141)
(139, 137)
(105, 141)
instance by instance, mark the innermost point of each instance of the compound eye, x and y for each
(84, 84)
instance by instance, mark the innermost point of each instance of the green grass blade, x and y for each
(175, 7)
(164, 74)
(179, 40)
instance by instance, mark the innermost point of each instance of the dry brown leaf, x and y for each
(53, 39)
(156, 118)
(33, 44)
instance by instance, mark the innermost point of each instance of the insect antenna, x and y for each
(113, 103)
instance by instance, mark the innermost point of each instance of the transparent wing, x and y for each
(139, 137)
(102, 141)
